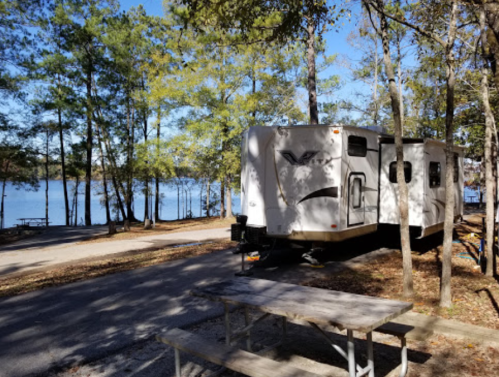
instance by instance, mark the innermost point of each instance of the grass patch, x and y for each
(475, 297)
(103, 266)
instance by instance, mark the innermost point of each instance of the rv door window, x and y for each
(407, 171)
(456, 167)
(435, 174)
(357, 146)
(356, 197)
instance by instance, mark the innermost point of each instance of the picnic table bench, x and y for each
(32, 221)
(319, 308)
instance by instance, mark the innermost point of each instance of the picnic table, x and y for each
(32, 221)
(319, 308)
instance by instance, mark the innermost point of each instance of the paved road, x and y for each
(58, 246)
(55, 237)
(87, 320)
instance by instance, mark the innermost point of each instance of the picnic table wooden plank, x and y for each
(320, 306)
(235, 359)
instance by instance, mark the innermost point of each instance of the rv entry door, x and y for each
(356, 204)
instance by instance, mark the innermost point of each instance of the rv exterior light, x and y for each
(336, 131)
(333, 226)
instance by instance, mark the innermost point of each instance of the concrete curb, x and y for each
(449, 327)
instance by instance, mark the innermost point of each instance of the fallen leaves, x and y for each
(162, 227)
(475, 296)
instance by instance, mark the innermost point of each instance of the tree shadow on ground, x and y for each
(66, 325)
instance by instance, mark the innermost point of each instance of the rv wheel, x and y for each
(310, 257)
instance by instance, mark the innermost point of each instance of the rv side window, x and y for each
(407, 171)
(456, 167)
(435, 174)
(356, 197)
(357, 146)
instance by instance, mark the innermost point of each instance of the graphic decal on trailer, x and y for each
(303, 160)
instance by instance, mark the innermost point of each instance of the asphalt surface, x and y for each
(84, 321)
(60, 246)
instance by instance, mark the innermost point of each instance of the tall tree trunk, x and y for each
(183, 203)
(253, 91)
(77, 184)
(201, 200)
(128, 195)
(229, 198)
(104, 175)
(222, 198)
(445, 287)
(63, 167)
(47, 180)
(489, 178)
(147, 215)
(4, 184)
(311, 81)
(178, 201)
(2, 222)
(88, 170)
(157, 177)
(375, 84)
(208, 197)
(401, 95)
(156, 201)
(399, 147)
(61, 136)
(131, 214)
(492, 15)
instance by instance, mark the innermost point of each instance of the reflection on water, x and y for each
(21, 203)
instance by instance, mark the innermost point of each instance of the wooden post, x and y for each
(112, 227)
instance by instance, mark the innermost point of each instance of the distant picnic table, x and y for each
(32, 221)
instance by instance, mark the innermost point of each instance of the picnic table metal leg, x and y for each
(403, 370)
(351, 354)
(337, 348)
(370, 354)
(177, 362)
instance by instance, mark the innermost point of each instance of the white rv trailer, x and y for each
(331, 183)
(424, 164)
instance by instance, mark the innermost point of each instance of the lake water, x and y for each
(21, 203)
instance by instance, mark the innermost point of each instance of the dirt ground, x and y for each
(8, 236)
(162, 227)
(474, 295)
